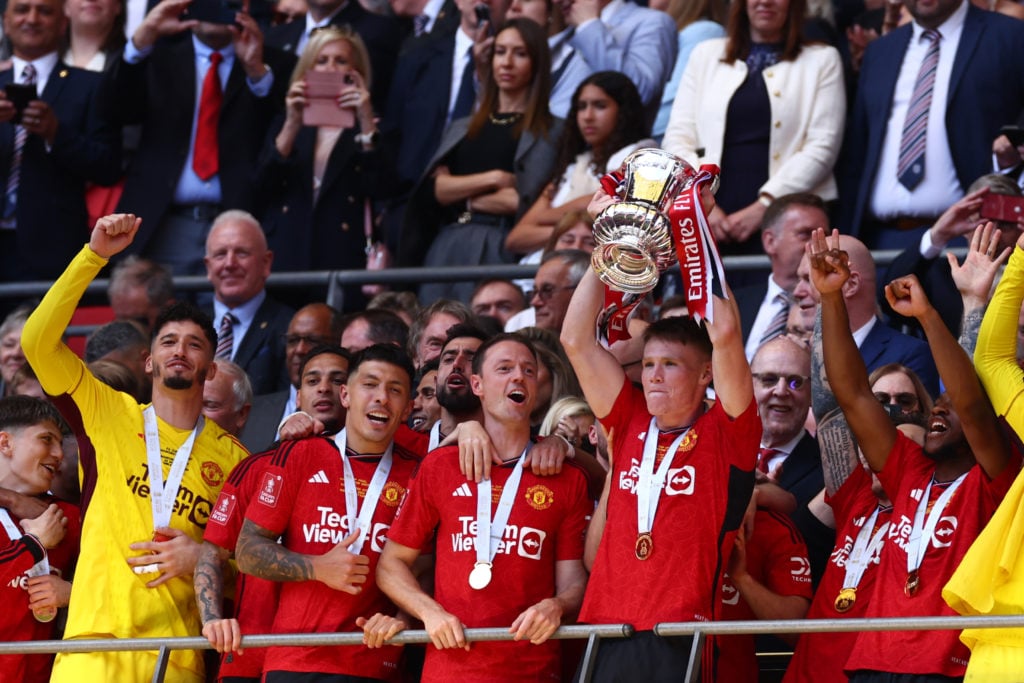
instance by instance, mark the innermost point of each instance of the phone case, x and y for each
(322, 109)
(1002, 207)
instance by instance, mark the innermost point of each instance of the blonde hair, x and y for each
(568, 406)
(320, 38)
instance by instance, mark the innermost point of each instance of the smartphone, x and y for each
(214, 11)
(322, 88)
(483, 13)
(20, 95)
(1014, 133)
(1002, 207)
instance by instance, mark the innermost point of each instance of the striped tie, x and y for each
(9, 220)
(777, 325)
(226, 336)
(910, 166)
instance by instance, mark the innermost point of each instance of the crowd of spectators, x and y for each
(839, 440)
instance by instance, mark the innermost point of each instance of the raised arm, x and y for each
(58, 368)
(995, 356)
(981, 428)
(599, 373)
(974, 279)
(835, 440)
(733, 383)
(844, 366)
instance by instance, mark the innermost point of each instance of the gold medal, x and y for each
(644, 545)
(913, 584)
(845, 599)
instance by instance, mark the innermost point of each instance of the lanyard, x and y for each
(435, 436)
(489, 529)
(162, 494)
(864, 548)
(360, 518)
(40, 568)
(923, 531)
(651, 481)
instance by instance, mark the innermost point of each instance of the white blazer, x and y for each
(808, 110)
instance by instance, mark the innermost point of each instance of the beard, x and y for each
(458, 403)
(179, 383)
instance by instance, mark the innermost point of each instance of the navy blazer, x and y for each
(52, 222)
(885, 345)
(261, 427)
(159, 92)
(382, 36)
(986, 91)
(262, 350)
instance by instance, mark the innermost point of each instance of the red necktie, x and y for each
(205, 155)
(764, 456)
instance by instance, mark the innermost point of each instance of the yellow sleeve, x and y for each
(995, 356)
(59, 370)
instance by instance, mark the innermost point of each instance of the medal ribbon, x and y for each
(360, 518)
(699, 262)
(435, 436)
(40, 568)
(923, 531)
(650, 482)
(162, 494)
(864, 548)
(485, 527)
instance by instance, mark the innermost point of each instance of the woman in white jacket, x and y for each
(766, 107)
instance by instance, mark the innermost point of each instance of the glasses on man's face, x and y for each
(904, 399)
(293, 340)
(770, 380)
(545, 292)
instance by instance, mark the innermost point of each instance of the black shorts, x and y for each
(644, 657)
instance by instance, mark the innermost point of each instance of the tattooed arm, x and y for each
(224, 634)
(974, 280)
(835, 440)
(259, 554)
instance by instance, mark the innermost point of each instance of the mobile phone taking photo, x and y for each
(20, 94)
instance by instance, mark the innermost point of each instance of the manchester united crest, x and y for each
(689, 441)
(540, 497)
(392, 494)
(211, 472)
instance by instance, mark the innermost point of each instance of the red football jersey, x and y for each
(777, 559)
(546, 525)
(301, 496)
(904, 478)
(255, 598)
(819, 657)
(17, 622)
(702, 505)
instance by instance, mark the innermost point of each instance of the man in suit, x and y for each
(879, 344)
(158, 82)
(978, 87)
(785, 229)
(617, 35)
(427, 17)
(61, 141)
(250, 325)
(312, 326)
(382, 36)
(788, 455)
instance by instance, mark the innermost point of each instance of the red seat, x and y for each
(87, 315)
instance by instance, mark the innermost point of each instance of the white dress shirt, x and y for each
(940, 186)
(765, 314)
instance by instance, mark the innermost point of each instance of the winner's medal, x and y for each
(489, 532)
(644, 546)
(649, 486)
(913, 584)
(845, 599)
(480, 577)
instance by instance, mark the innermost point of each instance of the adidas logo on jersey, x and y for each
(462, 492)
(319, 478)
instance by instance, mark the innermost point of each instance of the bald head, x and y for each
(859, 290)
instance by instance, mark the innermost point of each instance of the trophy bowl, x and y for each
(634, 235)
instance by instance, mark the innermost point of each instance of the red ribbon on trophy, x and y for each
(699, 261)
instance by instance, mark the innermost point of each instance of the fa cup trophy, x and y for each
(634, 235)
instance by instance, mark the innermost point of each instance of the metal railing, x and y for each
(698, 630)
(334, 281)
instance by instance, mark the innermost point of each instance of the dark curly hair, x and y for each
(630, 124)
